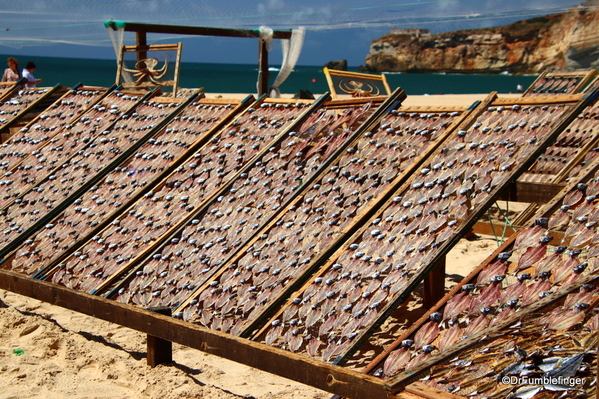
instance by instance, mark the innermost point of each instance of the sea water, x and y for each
(240, 78)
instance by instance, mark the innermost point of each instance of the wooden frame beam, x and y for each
(199, 30)
(337, 380)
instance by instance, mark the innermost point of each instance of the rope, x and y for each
(506, 222)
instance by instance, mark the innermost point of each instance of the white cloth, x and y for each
(30, 78)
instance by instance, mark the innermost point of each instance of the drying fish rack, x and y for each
(556, 83)
(516, 326)
(333, 142)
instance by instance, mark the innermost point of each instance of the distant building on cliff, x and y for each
(416, 32)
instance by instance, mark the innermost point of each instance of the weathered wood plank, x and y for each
(200, 31)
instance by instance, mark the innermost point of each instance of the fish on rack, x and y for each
(131, 177)
(253, 198)
(531, 271)
(175, 198)
(487, 145)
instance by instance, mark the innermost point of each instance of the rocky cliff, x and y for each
(559, 42)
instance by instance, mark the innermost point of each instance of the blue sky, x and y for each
(335, 29)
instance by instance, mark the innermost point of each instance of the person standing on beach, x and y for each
(12, 73)
(28, 74)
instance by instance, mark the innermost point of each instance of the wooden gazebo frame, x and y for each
(141, 30)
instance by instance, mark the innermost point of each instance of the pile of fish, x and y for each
(375, 268)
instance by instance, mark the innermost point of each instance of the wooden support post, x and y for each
(434, 284)
(262, 69)
(141, 40)
(160, 351)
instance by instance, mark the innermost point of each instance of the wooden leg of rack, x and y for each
(159, 350)
(434, 284)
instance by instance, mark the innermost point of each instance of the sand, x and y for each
(51, 352)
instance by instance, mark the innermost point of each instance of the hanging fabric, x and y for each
(291, 50)
(117, 43)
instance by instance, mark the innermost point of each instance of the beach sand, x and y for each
(51, 352)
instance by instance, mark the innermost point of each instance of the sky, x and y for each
(335, 30)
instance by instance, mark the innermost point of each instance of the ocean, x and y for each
(240, 78)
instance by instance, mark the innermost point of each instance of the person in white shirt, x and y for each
(28, 74)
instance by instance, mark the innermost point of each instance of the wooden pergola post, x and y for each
(262, 68)
(141, 41)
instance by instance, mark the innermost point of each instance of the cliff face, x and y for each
(560, 42)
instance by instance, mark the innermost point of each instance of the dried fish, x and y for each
(396, 361)
(426, 334)
(531, 256)
(450, 337)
